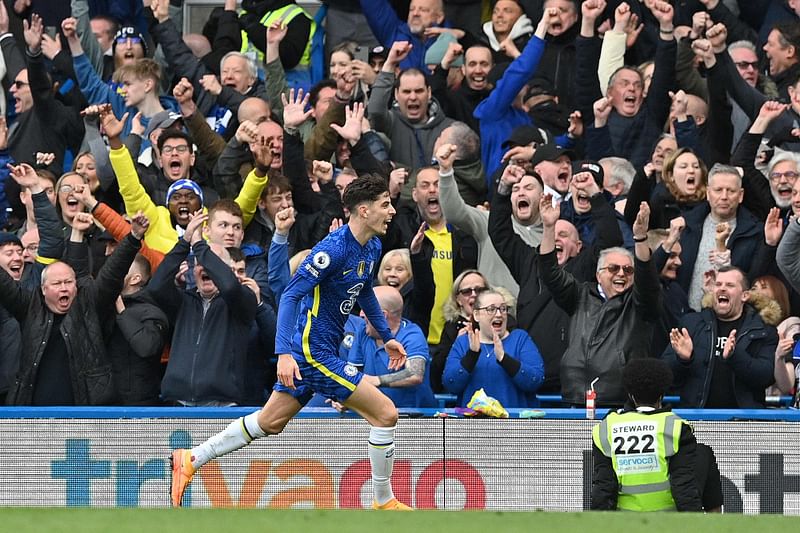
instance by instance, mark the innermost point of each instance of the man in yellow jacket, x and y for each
(168, 222)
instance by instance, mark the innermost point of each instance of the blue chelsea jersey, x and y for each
(340, 268)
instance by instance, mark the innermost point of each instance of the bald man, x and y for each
(409, 386)
(212, 323)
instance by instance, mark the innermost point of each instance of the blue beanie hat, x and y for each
(185, 184)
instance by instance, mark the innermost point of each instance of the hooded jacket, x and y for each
(520, 33)
(412, 142)
(752, 361)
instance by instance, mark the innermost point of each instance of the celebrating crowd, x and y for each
(576, 185)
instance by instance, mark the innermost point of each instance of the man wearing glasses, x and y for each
(611, 319)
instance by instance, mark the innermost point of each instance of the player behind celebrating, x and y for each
(311, 317)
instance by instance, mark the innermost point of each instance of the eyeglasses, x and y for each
(613, 269)
(745, 64)
(66, 189)
(19, 84)
(466, 291)
(182, 149)
(790, 175)
(492, 309)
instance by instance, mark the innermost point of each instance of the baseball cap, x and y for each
(129, 32)
(592, 167)
(163, 120)
(378, 51)
(524, 135)
(550, 152)
(540, 86)
(185, 184)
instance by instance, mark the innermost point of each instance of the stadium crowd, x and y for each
(577, 184)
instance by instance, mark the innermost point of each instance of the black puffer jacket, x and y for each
(82, 330)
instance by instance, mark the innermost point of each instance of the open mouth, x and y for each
(785, 190)
(16, 270)
(619, 284)
(723, 299)
(183, 212)
(63, 301)
(392, 282)
(204, 277)
(497, 323)
(556, 26)
(582, 201)
(175, 167)
(72, 203)
(413, 108)
(433, 205)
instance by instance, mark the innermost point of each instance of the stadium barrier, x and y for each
(110, 457)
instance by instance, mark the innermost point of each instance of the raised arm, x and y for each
(561, 283)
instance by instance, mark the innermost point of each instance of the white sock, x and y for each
(381, 457)
(238, 434)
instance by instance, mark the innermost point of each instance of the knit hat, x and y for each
(185, 184)
(592, 167)
(436, 52)
(129, 32)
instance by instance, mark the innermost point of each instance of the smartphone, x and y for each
(361, 54)
(51, 31)
(474, 323)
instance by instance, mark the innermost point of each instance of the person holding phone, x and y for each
(505, 364)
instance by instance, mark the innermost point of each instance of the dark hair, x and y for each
(225, 205)
(236, 254)
(277, 184)
(171, 133)
(365, 188)
(411, 72)
(646, 379)
(789, 34)
(313, 96)
(111, 20)
(731, 268)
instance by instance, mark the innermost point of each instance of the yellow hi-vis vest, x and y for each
(285, 14)
(639, 445)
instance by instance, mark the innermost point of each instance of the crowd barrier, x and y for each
(108, 457)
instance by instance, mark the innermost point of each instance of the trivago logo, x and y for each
(79, 469)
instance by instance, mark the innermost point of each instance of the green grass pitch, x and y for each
(86, 520)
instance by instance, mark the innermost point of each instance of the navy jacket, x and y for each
(745, 243)
(752, 361)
